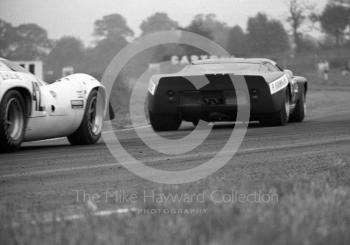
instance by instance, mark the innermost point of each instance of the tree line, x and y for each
(263, 35)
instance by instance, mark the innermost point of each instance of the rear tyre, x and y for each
(281, 117)
(90, 128)
(299, 112)
(12, 121)
(161, 122)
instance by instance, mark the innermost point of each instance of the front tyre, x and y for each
(90, 128)
(12, 121)
(162, 122)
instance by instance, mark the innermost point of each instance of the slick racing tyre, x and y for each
(12, 121)
(162, 122)
(90, 128)
(281, 117)
(299, 112)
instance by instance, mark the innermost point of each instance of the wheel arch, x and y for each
(305, 87)
(27, 97)
(302, 81)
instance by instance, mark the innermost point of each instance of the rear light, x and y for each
(230, 97)
(170, 93)
(254, 93)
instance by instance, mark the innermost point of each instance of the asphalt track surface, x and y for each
(46, 173)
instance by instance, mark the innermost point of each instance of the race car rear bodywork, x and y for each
(212, 97)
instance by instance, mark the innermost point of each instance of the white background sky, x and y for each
(76, 17)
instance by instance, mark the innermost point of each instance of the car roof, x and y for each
(233, 60)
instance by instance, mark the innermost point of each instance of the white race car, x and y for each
(31, 109)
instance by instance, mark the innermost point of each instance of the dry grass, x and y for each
(311, 209)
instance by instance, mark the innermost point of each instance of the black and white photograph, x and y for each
(171, 122)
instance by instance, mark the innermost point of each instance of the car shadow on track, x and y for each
(223, 125)
(59, 146)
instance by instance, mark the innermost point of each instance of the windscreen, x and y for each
(15, 67)
(4, 67)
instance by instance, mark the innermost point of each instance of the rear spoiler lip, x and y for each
(268, 77)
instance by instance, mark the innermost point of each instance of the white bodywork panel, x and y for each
(57, 109)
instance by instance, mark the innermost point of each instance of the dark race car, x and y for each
(204, 90)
